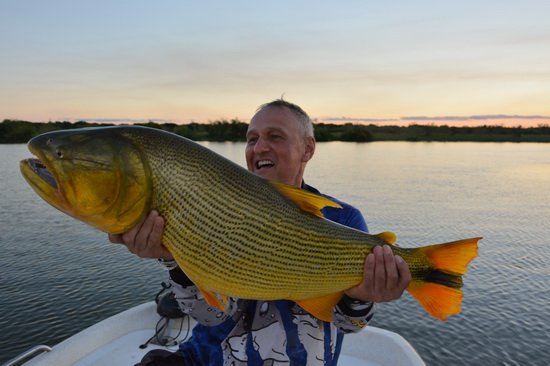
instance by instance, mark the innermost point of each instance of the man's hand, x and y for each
(144, 239)
(385, 277)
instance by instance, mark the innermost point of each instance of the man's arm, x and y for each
(385, 277)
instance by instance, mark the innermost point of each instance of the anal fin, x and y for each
(321, 307)
(212, 299)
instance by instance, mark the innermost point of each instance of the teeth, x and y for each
(262, 163)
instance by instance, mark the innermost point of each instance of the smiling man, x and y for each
(280, 142)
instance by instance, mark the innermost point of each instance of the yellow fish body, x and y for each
(232, 232)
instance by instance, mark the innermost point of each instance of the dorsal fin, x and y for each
(307, 201)
(388, 237)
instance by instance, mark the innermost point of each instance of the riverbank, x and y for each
(15, 131)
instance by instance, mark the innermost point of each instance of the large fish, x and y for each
(232, 232)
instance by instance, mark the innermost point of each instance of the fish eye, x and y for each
(59, 154)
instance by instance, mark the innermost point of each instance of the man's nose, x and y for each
(261, 145)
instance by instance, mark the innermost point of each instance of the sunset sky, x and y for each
(385, 62)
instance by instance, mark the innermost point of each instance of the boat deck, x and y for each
(117, 340)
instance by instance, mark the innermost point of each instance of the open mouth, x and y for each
(264, 164)
(43, 172)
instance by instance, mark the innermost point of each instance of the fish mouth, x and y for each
(42, 172)
(42, 179)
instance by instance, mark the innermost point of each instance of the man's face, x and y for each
(276, 148)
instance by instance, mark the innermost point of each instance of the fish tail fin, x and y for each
(438, 289)
(439, 301)
(452, 257)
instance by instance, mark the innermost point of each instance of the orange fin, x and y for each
(306, 201)
(438, 300)
(452, 257)
(388, 237)
(224, 300)
(212, 299)
(321, 307)
(437, 289)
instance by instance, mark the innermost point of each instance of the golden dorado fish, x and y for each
(233, 233)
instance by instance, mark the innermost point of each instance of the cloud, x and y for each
(120, 120)
(477, 117)
(360, 120)
(474, 120)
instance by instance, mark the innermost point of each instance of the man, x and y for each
(280, 142)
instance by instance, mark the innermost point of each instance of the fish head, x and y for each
(93, 174)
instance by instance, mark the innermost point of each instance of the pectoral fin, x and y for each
(306, 201)
(321, 307)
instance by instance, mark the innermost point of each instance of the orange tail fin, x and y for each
(438, 288)
(452, 257)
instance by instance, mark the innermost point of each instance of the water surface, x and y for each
(59, 276)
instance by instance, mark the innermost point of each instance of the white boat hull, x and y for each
(116, 341)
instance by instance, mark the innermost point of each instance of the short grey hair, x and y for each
(306, 124)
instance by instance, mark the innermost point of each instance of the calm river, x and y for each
(58, 276)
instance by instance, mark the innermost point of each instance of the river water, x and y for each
(58, 276)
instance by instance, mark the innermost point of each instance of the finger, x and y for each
(129, 237)
(364, 290)
(155, 236)
(115, 238)
(404, 272)
(142, 236)
(368, 273)
(367, 286)
(155, 239)
(391, 269)
(379, 271)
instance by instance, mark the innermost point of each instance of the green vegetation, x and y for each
(433, 133)
(22, 131)
(13, 131)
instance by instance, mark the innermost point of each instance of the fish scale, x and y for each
(233, 233)
(258, 281)
(286, 239)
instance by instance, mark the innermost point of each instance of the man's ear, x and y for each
(310, 148)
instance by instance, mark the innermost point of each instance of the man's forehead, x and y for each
(266, 128)
(273, 119)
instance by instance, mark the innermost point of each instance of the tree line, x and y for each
(16, 131)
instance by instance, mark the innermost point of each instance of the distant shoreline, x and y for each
(15, 131)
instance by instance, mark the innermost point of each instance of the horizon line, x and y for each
(541, 119)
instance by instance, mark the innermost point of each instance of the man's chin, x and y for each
(267, 173)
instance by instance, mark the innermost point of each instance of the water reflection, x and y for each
(60, 276)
